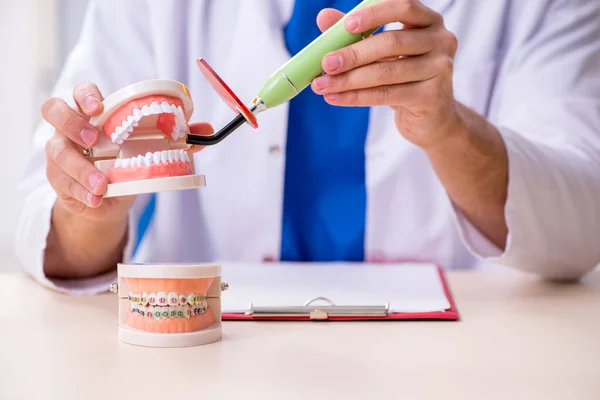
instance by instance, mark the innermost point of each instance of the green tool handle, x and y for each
(295, 75)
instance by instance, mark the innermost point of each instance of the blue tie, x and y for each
(324, 202)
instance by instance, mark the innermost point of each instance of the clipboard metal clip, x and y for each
(319, 312)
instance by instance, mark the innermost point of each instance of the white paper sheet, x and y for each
(406, 287)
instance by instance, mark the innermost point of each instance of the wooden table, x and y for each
(519, 338)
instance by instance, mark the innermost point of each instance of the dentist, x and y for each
(468, 135)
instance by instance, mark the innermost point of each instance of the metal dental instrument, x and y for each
(284, 84)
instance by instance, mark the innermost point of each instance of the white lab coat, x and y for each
(531, 67)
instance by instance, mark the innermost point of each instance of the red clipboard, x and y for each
(450, 314)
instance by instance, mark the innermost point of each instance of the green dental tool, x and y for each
(285, 83)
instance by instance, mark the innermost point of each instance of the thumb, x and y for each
(328, 17)
(201, 129)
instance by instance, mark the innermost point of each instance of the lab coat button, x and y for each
(274, 149)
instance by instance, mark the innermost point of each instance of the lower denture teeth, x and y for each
(156, 158)
(148, 159)
(164, 157)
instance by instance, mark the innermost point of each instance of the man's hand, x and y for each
(77, 182)
(409, 69)
(88, 233)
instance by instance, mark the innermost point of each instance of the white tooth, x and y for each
(148, 159)
(166, 107)
(174, 108)
(118, 163)
(171, 156)
(144, 299)
(156, 157)
(119, 130)
(125, 125)
(140, 160)
(161, 299)
(180, 110)
(146, 111)
(177, 156)
(155, 108)
(173, 299)
(164, 157)
(124, 163)
(137, 114)
(130, 120)
(187, 157)
(143, 311)
(114, 137)
(182, 299)
(130, 129)
(135, 124)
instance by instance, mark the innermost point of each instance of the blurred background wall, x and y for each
(35, 38)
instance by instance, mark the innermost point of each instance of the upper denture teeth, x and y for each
(137, 114)
(173, 299)
(166, 107)
(155, 108)
(146, 111)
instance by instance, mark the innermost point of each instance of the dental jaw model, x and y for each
(169, 305)
(143, 148)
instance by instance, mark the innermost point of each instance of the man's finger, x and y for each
(393, 95)
(409, 12)
(88, 99)
(383, 73)
(382, 46)
(68, 122)
(73, 194)
(202, 129)
(74, 164)
(327, 18)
